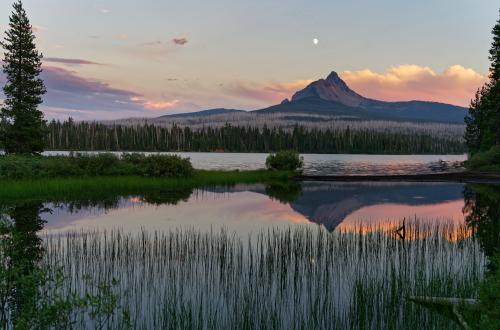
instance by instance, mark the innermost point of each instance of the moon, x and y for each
(315, 41)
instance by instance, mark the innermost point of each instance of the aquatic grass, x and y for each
(95, 186)
(281, 278)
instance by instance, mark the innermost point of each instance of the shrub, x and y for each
(486, 160)
(33, 167)
(167, 166)
(288, 160)
(100, 164)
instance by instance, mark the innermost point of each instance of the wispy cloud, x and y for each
(70, 94)
(121, 36)
(39, 28)
(59, 79)
(70, 61)
(181, 41)
(455, 85)
(266, 93)
(161, 105)
(152, 43)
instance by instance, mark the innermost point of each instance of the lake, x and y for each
(252, 208)
(275, 255)
(325, 164)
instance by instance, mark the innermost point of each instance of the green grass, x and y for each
(58, 188)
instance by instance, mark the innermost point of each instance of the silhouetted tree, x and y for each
(22, 122)
(483, 120)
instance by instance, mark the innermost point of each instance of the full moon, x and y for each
(315, 41)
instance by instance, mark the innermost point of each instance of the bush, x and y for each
(168, 166)
(285, 161)
(34, 167)
(485, 161)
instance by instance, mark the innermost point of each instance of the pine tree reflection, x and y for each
(21, 253)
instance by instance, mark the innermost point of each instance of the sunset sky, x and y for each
(121, 58)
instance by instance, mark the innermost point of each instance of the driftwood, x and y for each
(466, 177)
(454, 303)
(446, 301)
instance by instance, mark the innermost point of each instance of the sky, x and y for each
(112, 59)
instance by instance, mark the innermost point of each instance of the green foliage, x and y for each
(170, 166)
(490, 298)
(488, 161)
(100, 188)
(285, 192)
(287, 160)
(32, 294)
(87, 136)
(22, 129)
(483, 121)
(35, 167)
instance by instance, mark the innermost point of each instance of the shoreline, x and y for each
(461, 177)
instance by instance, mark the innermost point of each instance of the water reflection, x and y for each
(254, 207)
(482, 210)
(250, 208)
(244, 208)
(21, 253)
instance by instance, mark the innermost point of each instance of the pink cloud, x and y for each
(455, 85)
(160, 105)
(267, 92)
(180, 41)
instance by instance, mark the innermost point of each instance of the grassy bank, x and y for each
(96, 186)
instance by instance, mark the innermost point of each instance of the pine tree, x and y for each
(495, 53)
(473, 121)
(23, 124)
(494, 97)
(483, 121)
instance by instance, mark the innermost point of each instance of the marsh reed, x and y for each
(281, 278)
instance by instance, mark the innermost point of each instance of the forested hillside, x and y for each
(79, 136)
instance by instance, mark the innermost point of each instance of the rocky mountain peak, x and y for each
(333, 88)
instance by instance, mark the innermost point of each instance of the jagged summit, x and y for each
(334, 78)
(333, 88)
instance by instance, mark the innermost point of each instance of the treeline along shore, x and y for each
(91, 136)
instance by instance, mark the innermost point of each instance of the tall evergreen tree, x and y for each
(483, 120)
(495, 53)
(23, 124)
(495, 78)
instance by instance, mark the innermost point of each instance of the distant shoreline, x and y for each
(462, 177)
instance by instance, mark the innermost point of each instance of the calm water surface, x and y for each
(329, 164)
(251, 208)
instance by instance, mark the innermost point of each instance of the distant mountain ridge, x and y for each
(333, 97)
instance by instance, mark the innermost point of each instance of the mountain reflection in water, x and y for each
(250, 208)
(337, 206)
